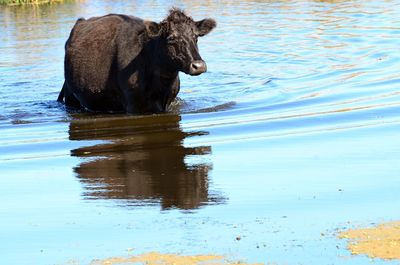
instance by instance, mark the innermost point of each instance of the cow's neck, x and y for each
(160, 79)
(159, 69)
(163, 74)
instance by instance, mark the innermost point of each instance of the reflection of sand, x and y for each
(155, 258)
(382, 241)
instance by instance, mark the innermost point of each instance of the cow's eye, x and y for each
(171, 38)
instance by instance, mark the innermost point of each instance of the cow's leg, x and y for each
(69, 98)
(61, 95)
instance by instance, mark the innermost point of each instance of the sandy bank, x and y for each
(382, 241)
(155, 258)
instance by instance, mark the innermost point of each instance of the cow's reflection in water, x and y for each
(142, 160)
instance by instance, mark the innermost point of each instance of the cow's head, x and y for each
(178, 35)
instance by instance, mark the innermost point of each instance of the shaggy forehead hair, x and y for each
(177, 16)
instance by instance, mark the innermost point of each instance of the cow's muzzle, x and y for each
(197, 67)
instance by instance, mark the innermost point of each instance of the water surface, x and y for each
(292, 134)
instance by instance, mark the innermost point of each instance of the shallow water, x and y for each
(292, 134)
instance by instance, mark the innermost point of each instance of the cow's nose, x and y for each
(198, 67)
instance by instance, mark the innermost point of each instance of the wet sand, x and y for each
(382, 241)
(155, 258)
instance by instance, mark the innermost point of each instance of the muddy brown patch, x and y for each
(155, 258)
(382, 241)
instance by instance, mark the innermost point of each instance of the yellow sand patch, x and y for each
(382, 241)
(154, 258)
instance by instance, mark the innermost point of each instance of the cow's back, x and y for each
(90, 60)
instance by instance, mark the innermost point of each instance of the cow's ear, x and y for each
(153, 29)
(203, 27)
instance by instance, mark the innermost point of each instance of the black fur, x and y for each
(123, 63)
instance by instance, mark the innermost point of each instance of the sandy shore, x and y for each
(382, 241)
(155, 258)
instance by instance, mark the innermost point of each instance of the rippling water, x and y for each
(292, 134)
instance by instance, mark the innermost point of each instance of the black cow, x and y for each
(123, 63)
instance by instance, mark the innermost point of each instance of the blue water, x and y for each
(291, 136)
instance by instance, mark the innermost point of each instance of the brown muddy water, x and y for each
(292, 136)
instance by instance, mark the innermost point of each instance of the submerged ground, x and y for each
(291, 138)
